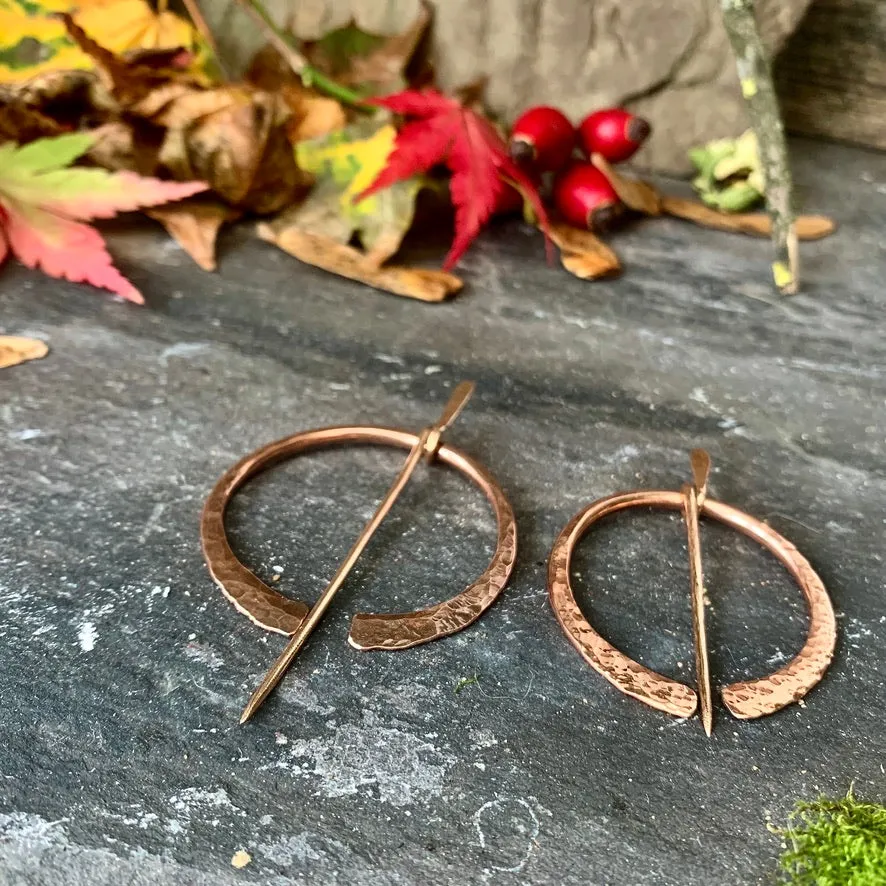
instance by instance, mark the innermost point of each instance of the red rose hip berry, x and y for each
(585, 198)
(614, 132)
(508, 200)
(542, 137)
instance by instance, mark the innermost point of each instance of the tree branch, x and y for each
(755, 75)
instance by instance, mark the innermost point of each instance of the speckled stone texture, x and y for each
(123, 669)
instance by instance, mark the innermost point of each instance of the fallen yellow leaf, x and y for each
(120, 25)
(14, 350)
(345, 163)
(34, 41)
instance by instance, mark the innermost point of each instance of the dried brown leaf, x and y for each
(378, 71)
(177, 59)
(14, 350)
(176, 106)
(383, 69)
(584, 254)
(312, 115)
(161, 121)
(54, 102)
(344, 163)
(113, 147)
(129, 82)
(161, 100)
(51, 86)
(571, 239)
(634, 193)
(813, 227)
(233, 137)
(320, 213)
(808, 227)
(127, 147)
(268, 70)
(20, 123)
(337, 258)
(588, 265)
(195, 224)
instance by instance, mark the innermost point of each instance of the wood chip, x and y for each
(634, 193)
(14, 350)
(584, 254)
(808, 227)
(195, 224)
(240, 859)
(326, 253)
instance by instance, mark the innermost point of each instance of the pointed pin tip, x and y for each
(708, 723)
(249, 710)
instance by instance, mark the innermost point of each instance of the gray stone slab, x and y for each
(123, 669)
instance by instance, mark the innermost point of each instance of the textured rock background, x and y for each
(669, 61)
(123, 669)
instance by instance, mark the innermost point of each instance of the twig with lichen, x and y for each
(755, 75)
(284, 44)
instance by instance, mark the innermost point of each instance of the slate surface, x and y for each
(123, 669)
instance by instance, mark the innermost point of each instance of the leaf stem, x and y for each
(310, 76)
(203, 29)
(755, 76)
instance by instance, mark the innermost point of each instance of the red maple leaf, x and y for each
(440, 130)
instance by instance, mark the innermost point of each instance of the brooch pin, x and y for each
(747, 699)
(274, 612)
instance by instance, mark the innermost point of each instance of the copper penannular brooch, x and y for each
(747, 699)
(275, 612)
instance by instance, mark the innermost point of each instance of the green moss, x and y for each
(465, 682)
(835, 843)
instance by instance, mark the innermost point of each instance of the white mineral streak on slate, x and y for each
(369, 760)
(87, 635)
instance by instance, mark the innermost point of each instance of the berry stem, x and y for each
(755, 76)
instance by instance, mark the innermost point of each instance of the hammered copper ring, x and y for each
(271, 610)
(746, 699)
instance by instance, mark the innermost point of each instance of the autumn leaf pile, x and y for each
(145, 98)
(118, 106)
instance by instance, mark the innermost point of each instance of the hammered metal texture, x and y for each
(269, 609)
(756, 698)
(747, 699)
(412, 628)
(624, 673)
(250, 595)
